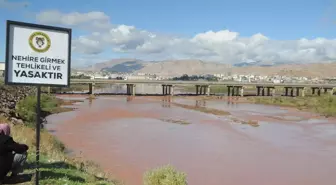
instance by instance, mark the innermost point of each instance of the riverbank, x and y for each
(55, 166)
(324, 105)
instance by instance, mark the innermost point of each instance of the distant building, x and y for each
(2, 69)
(136, 77)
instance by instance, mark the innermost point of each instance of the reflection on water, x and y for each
(90, 102)
(200, 103)
(129, 98)
(137, 136)
(166, 101)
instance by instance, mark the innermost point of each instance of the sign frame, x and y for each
(38, 86)
(37, 26)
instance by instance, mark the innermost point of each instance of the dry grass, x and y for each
(181, 122)
(203, 109)
(252, 123)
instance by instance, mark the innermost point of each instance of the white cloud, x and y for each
(224, 45)
(90, 20)
(10, 5)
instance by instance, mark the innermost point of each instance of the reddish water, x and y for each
(128, 137)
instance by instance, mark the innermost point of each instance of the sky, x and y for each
(301, 31)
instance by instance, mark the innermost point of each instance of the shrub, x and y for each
(166, 175)
(26, 108)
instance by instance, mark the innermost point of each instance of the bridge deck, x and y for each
(79, 81)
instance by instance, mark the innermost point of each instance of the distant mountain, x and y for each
(259, 63)
(198, 67)
(110, 64)
(126, 67)
(180, 67)
(164, 68)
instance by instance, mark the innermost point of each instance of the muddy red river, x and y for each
(126, 138)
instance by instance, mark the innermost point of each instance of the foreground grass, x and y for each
(324, 105)
(166, 175)
(49, 105)
(56, 168)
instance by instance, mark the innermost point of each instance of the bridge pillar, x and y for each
(233, 91)
(91, 88)
(303, 92)
(167, 89)
(273, 91)
(172, 90)
(332, 91)
(238, 90)
(163, 89)
(326, 90)
(203, 89)
(229, 90)
(130, 89)
(197, 89)
(318, 90)
(208, 90)
(269, 90)
(133, 89)
(260, 91)
(291, 91)
(298, 91)
(286, 91)
(242, 91)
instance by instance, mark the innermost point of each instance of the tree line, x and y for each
(186, 77)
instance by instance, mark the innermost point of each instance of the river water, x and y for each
(129, 136)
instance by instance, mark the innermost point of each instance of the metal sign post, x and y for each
(37, 55)
(38, 134)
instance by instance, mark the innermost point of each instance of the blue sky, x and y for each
(277, 20)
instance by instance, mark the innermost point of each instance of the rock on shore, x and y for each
(9, 96)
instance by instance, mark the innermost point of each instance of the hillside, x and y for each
(313, 70)
(109, 65)
(180, 67)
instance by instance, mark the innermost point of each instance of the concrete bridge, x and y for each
(204, 87)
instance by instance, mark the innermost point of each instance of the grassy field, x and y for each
(324, 105)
